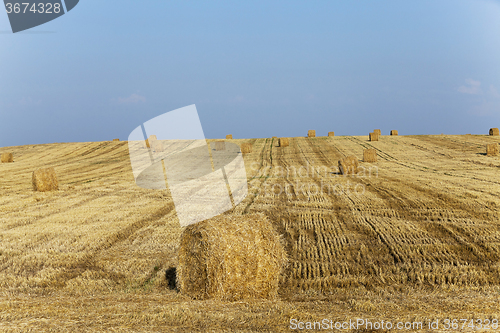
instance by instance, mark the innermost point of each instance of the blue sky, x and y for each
(253, 68)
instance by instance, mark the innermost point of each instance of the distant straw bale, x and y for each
(379, 132)
(229, 136)
(311, 134)
(231, 258)
(284, 142)
(331, 133)
(369, 155)
(246, 148)
(157, 146)
(148, 143)
(348, 165)
(492, 149)
(394, 132)
(220, 145)
(494, 131)
(7, 158)
(374, 136)
(44, 180)
(116, 139)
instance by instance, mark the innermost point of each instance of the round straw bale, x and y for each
(369, 155)
(152, 138)
(44, 180)
(379, 132)
(331, 133)
(231, 258)
(492, 149)
(284, 142)
(220, 145)
(374, 136)
(348, 165)
(116, 139)
(494, 131)
(157, 146)
(7, 158)
(394, 132)
(229, 136)
(246, 148)
(311, 134)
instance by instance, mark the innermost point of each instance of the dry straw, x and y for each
(246, 148)
(44, 180)
(492, 149)
(116, 139)
(229, 136)
(348, 165)
(331, 133)
(7, 158)
(374, 136)
(394, 132)
(494, 131)
(311, 134)
(369, 155)
(284, 142)
(379, 132)
(231, 258)
(220, 145)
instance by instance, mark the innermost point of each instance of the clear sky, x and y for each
(253, 68)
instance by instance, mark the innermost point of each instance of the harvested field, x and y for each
(416, 237)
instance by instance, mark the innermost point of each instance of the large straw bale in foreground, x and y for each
(44, 180)
(311, 134)
(492, 149)
(494, 131)
(220, 145)
(229, 136)
(374, 136)
(369, 155)
(394, 132)
(7, 158)
(331, 133)
(231, 258)
(246, 148)
(348, 165)
(284, 142)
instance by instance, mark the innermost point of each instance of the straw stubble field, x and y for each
(416, 239)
